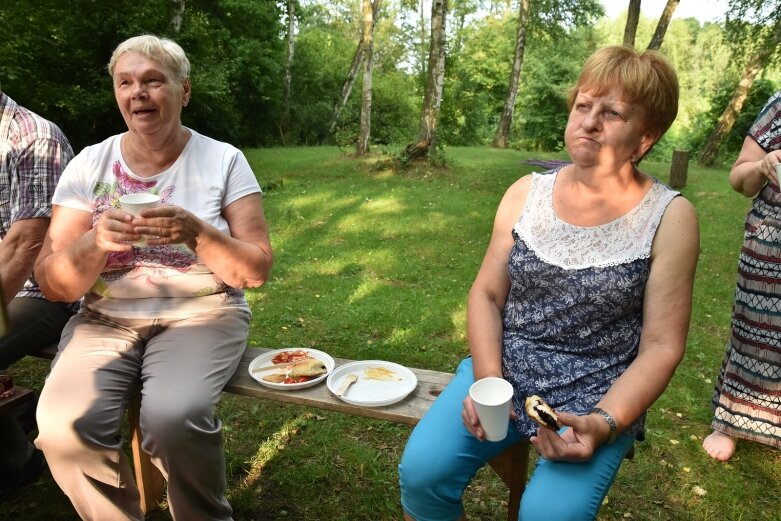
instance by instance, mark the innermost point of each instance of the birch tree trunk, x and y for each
(422, 32)
(349, 81)
(727, 119)
(435, 82)
(632, 19)
(177, 13)
(367, 38)
(664, 22)
(287, 79)
(506, 121)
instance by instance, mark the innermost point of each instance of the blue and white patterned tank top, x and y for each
(573, 316)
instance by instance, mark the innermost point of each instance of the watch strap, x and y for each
(611, 422)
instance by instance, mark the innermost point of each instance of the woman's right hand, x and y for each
(114, 231)
(471, 420)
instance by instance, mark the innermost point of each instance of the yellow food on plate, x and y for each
(305, 367)
(381, 373)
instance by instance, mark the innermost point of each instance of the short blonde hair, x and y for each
(162, 50)
(647, 79)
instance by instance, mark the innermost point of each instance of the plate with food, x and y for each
(291, 368)
(371, 383)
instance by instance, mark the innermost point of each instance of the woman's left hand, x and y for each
(168, 224)
(577, 443)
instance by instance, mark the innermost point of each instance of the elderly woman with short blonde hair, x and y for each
(164, 312)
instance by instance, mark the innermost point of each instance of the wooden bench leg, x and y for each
(512, 466)
(149, 480)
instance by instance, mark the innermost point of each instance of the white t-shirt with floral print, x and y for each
(159, 281)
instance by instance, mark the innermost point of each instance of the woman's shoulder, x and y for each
(203, 141)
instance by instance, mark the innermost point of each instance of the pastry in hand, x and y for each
(542, 413)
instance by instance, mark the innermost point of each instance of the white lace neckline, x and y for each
(625, 239)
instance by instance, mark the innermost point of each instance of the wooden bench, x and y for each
(20, 396)
(511, 465)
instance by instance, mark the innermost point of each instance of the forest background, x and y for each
(272, 73)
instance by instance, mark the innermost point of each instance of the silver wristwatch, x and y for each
(611, 423)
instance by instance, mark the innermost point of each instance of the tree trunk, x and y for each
(347, 86)
(679, 169)
(506, 121)
(664, 22)
(177, 13)
(286, 80)
(367, 38)
(422, 46)
(427, 136)
(632, 19)
(727, 119)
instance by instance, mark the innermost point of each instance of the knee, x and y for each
(563, 507)
(167, 423)
(64, 430)
(428, 479)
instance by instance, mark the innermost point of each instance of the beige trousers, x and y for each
(180, 367)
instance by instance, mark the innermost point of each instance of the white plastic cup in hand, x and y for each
(134, 203)
(492, 397)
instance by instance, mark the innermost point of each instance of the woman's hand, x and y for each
(115, 232)
(577, 443)
(767, 167)
(471, 420)
(168, 224)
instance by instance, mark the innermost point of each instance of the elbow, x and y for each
(256, 279)
(53, 295)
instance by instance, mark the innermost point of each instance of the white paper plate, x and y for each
(370, 392)
(266, 360)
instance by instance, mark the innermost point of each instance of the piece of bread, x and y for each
(542, 413)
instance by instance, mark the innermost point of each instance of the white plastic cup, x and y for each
(134, 203)
(492, 397)
(777, 166)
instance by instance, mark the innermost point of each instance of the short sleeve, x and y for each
(766, 129)
(241, 179)
(71, 190)
(40, 164)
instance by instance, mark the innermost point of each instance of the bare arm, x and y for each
(242, 259)
(18, 252)
(489, 291)
(753, 168)
(487, 298)
(74, 253)
(666, 314)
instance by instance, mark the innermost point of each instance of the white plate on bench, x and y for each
(371, 392)
(266, 360)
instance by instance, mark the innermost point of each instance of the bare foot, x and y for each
(719, 446)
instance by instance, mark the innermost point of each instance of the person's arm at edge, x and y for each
(753, 168)
(18, 251)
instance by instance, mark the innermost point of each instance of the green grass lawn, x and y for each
(372, 264)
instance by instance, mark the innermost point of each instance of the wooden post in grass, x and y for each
(679, 168)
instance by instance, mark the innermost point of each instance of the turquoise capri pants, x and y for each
(442, 457)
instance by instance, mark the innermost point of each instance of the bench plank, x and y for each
(408, 411)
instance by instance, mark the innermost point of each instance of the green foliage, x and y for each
(54, 56)
(758, 96)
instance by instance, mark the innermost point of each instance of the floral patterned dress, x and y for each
(573, 316)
